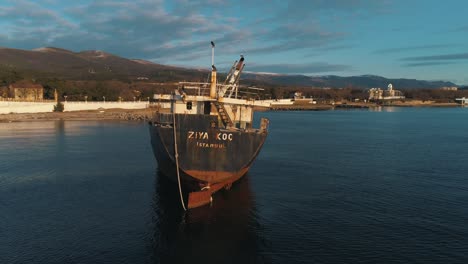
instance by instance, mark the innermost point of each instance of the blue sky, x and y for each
(391, 38)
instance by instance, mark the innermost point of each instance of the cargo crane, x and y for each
(231, 83)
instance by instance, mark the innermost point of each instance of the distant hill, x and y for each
(332, 81)
(98, 65)
(93, 64)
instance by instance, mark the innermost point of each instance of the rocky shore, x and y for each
(108, 114)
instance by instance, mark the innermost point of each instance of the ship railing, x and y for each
(244, 92)
(249, 95)
(195, 88)
(223, 90)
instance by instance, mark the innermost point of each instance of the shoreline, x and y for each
(357, 105)
(147, 114)
(88, 115)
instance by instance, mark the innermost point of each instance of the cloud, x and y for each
(305, 24)
(461, 29)
(444, 57)
(430, 63)
(413, 48)
(164, 31)
(139, 28)
(148, 29)
(28, 24)
(300, 9)
(337, 47)
(434, 60)
(306, 68)
(319, 50)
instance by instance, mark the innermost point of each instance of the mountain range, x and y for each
(99, 65)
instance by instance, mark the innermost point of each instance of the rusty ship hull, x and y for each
(209, 157)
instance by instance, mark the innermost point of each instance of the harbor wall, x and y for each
(80, 106)
(7, 107)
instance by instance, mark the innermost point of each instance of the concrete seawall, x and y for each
(7, 107)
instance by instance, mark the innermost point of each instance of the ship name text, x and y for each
(210, 145)
(204, 135)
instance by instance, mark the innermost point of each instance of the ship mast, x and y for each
(212, 53)
(213, 82)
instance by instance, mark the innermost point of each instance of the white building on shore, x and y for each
(389, 94)
(462, 101)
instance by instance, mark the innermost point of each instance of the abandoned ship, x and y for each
(207, 140)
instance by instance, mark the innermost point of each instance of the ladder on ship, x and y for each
(223, 114)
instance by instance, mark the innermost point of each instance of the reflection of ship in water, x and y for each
(225, 233)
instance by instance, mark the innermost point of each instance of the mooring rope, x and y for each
(177, 160)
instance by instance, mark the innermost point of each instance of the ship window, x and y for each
(189, 105)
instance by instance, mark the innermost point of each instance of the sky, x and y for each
(416, 39)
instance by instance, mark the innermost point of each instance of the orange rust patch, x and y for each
(216, 176)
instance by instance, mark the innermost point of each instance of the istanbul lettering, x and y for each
(194, 135)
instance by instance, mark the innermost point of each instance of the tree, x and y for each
(59, 107)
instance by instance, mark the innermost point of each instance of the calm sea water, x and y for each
(353, 186)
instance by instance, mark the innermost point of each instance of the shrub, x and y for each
(59, 107)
